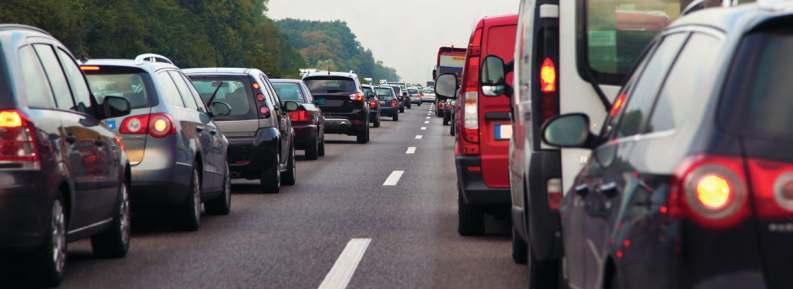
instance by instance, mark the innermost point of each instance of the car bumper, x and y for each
(390, 111)
(25, 199)
(305, 135)
(351, 123)
(249, 157)
(473, 187)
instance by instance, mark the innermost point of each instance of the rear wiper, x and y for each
(214, 94)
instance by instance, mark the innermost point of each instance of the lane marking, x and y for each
(423, 128)
(428, 117)
(393, 178)
(427, 122)
(411, 150)
(419, 137)
(341, 273)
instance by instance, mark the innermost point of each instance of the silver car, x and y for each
(177, 153)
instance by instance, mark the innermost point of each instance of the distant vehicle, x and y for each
(402, 91)
(400, 97)
(428, 94)
(431, 84)
(65, 176)
(485, 128)
(374, 104)
(177, 152)
(343, 104)
(415, 95)
(307, 121)
(450, 60)
(389, 103)
(260, 134)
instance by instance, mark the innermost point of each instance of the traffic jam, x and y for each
(582, 144)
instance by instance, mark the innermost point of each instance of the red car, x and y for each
(484, 128)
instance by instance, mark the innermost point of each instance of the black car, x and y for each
(690, 181)
(374, 105)
(64, 175)
(342, 101)
(389, 103)
(258, 129)
(307, 121)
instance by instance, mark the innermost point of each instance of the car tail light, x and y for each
(471, 93)
(772, 186)
(554, 189)
(260, 97)
(549, 88)
(710, 190)
(89, 68)
(617, 106)
(300, 116)
(471, 116)
(358, 97)
(373, 103)
(17, 138)
(158, 125)
(264, 112)
(394, 103)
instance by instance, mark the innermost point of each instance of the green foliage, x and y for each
(333, 46)
(193, 33)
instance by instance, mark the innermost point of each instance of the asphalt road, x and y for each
(295, 238)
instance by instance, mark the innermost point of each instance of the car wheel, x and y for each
(446, 118)
(542, 274)
(471, 218)
(518, 248)
(191, 210)
(222, 204)
(451, 128)
(271, 177)
(363, 137)
(377, 121)
(402, 109)
(51, 257)
(114, 243)
(322, 147)
(312, 150)
(395, 117)
(289, 178)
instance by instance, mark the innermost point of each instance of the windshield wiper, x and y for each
(214, 94)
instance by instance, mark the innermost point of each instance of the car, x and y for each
(400, 97)
(482, 142)
(260, 134)
(341, 98)
(689, 183)
(176, 151)
(374, 104)
(428, 95)
(307, 121)
(415, 95)
(65, 175)
(389, 103)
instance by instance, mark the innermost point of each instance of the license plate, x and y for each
(111, 123)
(503, 131)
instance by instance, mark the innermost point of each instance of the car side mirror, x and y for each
(492, 76)
(115, 106)
(220, 108)
(568, 131)
(290, 106)
(446, 85)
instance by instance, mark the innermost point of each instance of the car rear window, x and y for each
(384, 93)
(235, 91)
(320, 85)
(413, 91)
(760, 87)
(132, 84)
(289, 92)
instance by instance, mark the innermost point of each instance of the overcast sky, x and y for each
(404, 34)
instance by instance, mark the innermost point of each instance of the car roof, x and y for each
(735, 20)
(222, 71)
(283, 80)
(511, 19)
(145, 65)
(331, 73)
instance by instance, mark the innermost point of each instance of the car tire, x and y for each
(377, 121)
(519, 254)
(289, 177)
(50, 260)
(222, 204)
(363, 137)
(322, 147)
(471, 219)
(395, 117)
(402, 109)
(451, 129)
(270, 182)
(114, 242)
(446, 118)
(191, 210)
(542, 274)
(312, 151)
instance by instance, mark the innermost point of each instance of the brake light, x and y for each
(358, 97)
(89, 68)
(17, 138)
(264, 112)
(772, 185)
(373, 103)
(554, 189)
(300, 116)
(471, 116)
(548, 76)
(158, 125)
(470, 130)
(617, 106)
(260, 97)
(711, 191)
(394, 103)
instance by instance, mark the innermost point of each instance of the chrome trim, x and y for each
(97, 224)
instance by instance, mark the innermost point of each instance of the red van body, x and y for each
(484, 128)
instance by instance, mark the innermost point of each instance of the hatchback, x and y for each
(342, 101)
(389, 103)
(374, 104)
(176, 151)
(692, 169)
(307, 121)
(63, 175)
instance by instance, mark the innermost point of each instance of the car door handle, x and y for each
(582, 190)
(609, 189)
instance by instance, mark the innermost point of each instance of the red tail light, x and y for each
(300, 116)
(394, 103)
(260, 97)
(470, 130)
(358, 97)
(617, 106)
(772, 185)
(17, 138)
(158, 125)
(710, 190)
(548, 76)
(373, 103)
(554, 190)
(264, 112)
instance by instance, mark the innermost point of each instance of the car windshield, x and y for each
(232, 91)
(384, 93)
(367, 91)
(413, 91)
(289, 92)
(129, 85)
(322, 85)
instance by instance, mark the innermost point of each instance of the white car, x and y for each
(429, 95)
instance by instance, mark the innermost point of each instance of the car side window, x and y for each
(306, 93)
(691, 76)
(58, 83)
(37, 89)
(169, 93)
(194, 92)
(640, 100)
(184, 90)
(269, 92)
(80, 90)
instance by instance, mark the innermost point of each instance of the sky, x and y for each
(404, 34)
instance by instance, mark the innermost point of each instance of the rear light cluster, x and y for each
(158, 125)
(264, 112)
(549, 88)
(772, 185)
(554, 189)
(17, 138)
(357, 97)
(373, 103)
(300, 116)
(470, 130)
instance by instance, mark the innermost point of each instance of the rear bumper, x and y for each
(305, 135)
(248, 158)
(346, 123)
(390, 111)
(473, 187)
(166, 186)
(25, 200)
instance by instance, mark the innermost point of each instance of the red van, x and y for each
(484, 128)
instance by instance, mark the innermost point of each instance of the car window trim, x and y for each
(167, 74)
(46, 74)
(91, 97)
(170, 74)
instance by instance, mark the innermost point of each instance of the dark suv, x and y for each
(342, 101)
(63, 174)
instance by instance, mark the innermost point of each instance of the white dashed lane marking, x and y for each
(419, 137)
(393, 178)
(411, 150)
(341, 272)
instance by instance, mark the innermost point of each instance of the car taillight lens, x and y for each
(471, 116)
(260, 97)
(158, 125)
(710, 190)
(264, 112)
(554, 189)
(17, 138)
(772, 185)
(300, 116)
(617, 106)
(549, 89)
(358, 97)
(373, 103)
(394, 103)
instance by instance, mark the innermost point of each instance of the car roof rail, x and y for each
(153, 58)
(23, 26)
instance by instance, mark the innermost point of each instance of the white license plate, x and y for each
(503, 132)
